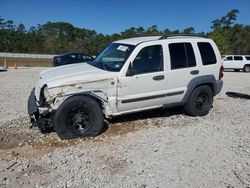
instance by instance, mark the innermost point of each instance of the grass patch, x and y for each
(33, 62)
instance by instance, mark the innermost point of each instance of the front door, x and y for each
(145, 84)
(228, 62)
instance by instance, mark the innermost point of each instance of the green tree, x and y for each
(220, 37)
(189, 30)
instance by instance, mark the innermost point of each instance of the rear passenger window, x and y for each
(207, 53)
(238, 58)
(182, 55)
(248, 58)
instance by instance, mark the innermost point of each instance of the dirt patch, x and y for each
(122, 128)
(36, 169)
(113, 165)
(16, 133)
(17, 140)
(13, 134)
(12, 140)
(55, 142)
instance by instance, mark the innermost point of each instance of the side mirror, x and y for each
(131, 71)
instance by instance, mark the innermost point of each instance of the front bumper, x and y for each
(43, 121)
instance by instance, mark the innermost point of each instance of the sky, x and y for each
(114, 16)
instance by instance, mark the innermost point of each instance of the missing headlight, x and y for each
(43, 95)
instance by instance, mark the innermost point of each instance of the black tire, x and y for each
(78, 116)
(246, 68)
(200, 101)
(236, 70)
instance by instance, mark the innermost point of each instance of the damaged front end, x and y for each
(56, 85)
(40, 116)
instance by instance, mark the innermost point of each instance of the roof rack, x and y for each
(181, 35)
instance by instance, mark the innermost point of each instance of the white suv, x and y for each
(237, 62)
(130, 75)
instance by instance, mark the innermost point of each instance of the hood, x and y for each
(74, 73)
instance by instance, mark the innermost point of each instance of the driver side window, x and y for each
(149, 59)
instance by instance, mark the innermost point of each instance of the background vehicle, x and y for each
(237, 62)
(71, 58)
(130, 75)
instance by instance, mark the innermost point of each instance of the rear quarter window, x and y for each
(207, 53)
(248, 58)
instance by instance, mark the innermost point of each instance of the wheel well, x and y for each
(207, 84)
(99, 101)
(247, 65)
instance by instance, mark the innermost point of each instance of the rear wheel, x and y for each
(246, 68)
(78, 116)
(200, 101)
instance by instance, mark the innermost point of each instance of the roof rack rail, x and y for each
(181, 35)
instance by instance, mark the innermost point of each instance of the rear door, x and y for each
(238, 62)
(182, 67)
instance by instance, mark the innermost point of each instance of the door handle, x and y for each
(160, 77)
(194, 72)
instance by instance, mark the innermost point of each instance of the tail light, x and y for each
(221, 72)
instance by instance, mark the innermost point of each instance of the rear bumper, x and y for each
(218, 87)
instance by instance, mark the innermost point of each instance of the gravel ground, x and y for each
(159, 148)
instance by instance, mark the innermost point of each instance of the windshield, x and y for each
(113, 57)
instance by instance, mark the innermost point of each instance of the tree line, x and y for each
(61, 37)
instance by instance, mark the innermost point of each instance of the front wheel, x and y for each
(200, 101)
(78, 116)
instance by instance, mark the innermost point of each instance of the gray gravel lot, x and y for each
(159, 148)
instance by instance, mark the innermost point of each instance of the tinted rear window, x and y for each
(182, 55)
(207, 53)
(238, 58)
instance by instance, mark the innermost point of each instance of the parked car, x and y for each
(237, 62)
(129, 76)
(71, 58)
